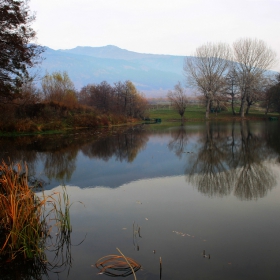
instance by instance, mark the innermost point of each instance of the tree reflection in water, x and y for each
(179, 141)
(124, 145)
(59, 152)
(253, 177)
(210, 171)
(60, 164)
(228, 161)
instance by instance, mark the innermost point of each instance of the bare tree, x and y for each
(178, 99)
(253, 59)
(271, 95)
(231, 87)
(206, 70)
(257, 93)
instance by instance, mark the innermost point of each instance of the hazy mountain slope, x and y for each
(87, 65)
(152, 74)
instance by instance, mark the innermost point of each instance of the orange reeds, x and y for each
(26, 219)
(19, 211)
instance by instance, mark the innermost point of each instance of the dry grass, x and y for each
(20, 214)
(26, 220)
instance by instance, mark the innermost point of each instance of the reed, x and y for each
(20, 214)
(27, 220)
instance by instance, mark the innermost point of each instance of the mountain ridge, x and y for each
(112, 51)
(152, 74)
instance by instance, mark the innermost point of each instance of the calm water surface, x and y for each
(166, 193)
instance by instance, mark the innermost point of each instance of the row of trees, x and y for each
(121, 99)
(220, 72)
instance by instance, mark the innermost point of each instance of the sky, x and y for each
(174, 27)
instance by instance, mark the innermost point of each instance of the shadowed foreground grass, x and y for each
(27, 221)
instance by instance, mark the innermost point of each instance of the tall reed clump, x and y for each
(27, 220)
(20, 214)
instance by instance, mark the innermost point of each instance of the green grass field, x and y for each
(196, 113)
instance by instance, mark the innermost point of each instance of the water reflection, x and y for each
(60, 164)
(232, 160)
(124, 146)
(179, 140)
(22, 269)
(253, 177)
(210, 171)
(58, 153)
(219, 159)
(38, 267)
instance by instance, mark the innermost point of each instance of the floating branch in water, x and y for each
(117, 265)
(136, 235)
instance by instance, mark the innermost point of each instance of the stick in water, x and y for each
(127, 263)
(160, 267)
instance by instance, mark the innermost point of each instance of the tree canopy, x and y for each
(18, 53)
(218, 71)
(206, 70)
(58, 87)
(253, 59)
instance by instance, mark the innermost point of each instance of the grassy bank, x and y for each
(197, 113)
(46, 118)
(53, 118)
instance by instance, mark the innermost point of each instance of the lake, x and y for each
(176, 194)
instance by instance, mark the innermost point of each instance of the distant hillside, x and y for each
(152, 74)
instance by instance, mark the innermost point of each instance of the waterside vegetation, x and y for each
(57, 106)
(28, 222)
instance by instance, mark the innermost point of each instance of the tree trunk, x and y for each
(266, 109)
(207, 108)
(242, 108)
(232, 107)
(247, 109)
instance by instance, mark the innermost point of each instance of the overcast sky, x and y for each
(175, 27)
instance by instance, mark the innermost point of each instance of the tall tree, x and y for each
(206, 70)
(231, 87)
(18, 53)
(253, 59)
(178, 99)
(59, 88)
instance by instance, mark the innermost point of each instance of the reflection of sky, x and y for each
(179, 223)
(155, 161)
